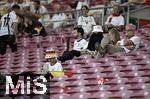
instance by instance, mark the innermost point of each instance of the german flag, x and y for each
(59, 73)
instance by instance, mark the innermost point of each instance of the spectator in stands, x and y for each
(28, 27)
(69, 14)
(69, 17)
(115, 20)
(74, 4)
(52, 64)
(25, 23)
(58, 17)
(79, 5)
(86, 22)
(110, 39)
(96, 37)
(38, 11)
(39, 30)
(8, 31)
(79, 44)
(129, 43)
(98, 12)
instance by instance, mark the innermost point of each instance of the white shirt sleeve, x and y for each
(64, 16)
(59, 67)
(120, 42)
(136, 40)
(84, 44)
(56, 67)
(43, 10)
(15, 19)
(79, 5)
(53, 18)
(93, 21)
(79, 45)
(107, 21)
(121, 21)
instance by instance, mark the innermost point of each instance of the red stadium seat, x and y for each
(115, 76)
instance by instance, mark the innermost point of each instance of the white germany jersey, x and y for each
(7, 22)
(79, 44)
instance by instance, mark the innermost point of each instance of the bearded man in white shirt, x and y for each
(79, 44)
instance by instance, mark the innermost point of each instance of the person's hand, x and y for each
(110, 25)
(125, 41)
(83, 51)
(117, 44)
(97, 45)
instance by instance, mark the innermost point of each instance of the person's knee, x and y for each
(104, 42)
(76, 53)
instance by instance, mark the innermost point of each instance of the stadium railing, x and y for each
(126, 13)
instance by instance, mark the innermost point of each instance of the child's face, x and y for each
(52, 60)
(84, 11)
